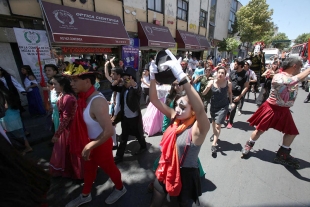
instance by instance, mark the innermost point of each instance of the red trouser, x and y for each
(101, 156)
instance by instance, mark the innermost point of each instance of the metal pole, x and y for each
(45, 25)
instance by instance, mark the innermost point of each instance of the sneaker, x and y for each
(229, 126)
(79, 201)
(115, 195)
(239, 113)
(213, 149)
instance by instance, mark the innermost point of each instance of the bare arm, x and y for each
(99, 111)
(163, 108)
(202, 124)
(111, 61)
(303, 74)
(204, 92)
(230, 92)
(106, 72)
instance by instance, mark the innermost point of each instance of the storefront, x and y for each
(152, 39)
(193, 43)
(90, 36)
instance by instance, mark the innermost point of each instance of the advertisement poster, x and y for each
(130, 54)
(28, 41)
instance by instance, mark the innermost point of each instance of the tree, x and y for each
(254, 21)
(228, 44)
(302, 38)
(281, 36)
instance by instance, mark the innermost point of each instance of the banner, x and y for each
(130, 54)
(28, 41)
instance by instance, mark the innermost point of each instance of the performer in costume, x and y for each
(177, 176)
(130, 114)
(91, 138)
(275, 112)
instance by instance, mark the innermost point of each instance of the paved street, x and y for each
(229, 180)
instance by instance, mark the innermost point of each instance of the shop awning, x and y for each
(69, 25)
(204, 43)
(152, 35)
(187, 40)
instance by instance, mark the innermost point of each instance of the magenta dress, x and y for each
(63, 163)
(153, 118)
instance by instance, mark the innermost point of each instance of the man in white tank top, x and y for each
(98, 151)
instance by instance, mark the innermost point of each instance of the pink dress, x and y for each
(153, 118)
(63, 163)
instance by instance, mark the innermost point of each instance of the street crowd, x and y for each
(180, 95)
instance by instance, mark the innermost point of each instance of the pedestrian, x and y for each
(206, 98)
(11, 120)
(50, 71)
(145, 85)
(190, 125)
(114, 105)
(197, 76)
(130, 114)
(93, 129)
(252, 82)
(62, 162)
(35, 103)
(240, 83)
(220, 88)
(275, 112)
(15, 88)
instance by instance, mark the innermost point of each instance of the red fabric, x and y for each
(168, 170)
(79, 136)
(43, 84)
(101, 156)
(63, 163)
(273, 116)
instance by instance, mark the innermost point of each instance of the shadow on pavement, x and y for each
(243, 126)
(268, 156)
(227, 146)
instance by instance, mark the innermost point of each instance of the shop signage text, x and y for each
(84, 50)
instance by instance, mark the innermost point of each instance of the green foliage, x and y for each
(228, 44)
(302, 38)
(281, 36)
(254, 21)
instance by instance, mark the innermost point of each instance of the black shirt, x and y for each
(238, 80)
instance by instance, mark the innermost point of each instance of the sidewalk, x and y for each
(37, 126)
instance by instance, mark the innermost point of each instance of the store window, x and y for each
(203, 18)
(213, 11)
(182, 9)
(155, 5)
(232, 15)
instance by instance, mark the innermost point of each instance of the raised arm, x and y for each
(163, 108)
(106, 72)
(206, 90)
(111, 61)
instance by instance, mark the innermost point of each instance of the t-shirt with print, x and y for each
(284, 89)
(238, 80)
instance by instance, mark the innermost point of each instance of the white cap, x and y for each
(249, 62)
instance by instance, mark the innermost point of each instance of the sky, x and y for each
(291, 16)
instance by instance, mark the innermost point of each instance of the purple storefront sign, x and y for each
(70, 25)
(130, 54)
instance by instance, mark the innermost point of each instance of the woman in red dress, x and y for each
(62, 162)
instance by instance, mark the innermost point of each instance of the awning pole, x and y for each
(46, 25)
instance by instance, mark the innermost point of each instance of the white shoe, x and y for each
(115, 195)
(79, 201)
(239, 113)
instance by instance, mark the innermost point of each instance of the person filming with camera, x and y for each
(240, 83)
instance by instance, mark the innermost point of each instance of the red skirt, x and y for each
(273, 116)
